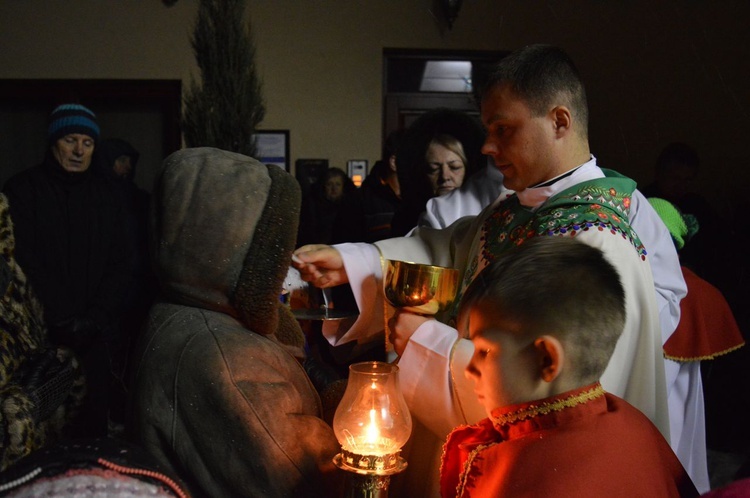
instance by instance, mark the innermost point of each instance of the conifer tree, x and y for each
(225, 107)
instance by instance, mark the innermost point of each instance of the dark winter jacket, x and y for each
(220, 397)
(70, 242)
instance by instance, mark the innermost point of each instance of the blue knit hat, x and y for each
(72, 118)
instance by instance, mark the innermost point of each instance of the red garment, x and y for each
(582, 443)
(736, 489)
(707, 327)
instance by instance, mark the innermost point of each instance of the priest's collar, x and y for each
(535, 196)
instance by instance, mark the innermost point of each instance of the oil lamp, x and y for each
(372, 423)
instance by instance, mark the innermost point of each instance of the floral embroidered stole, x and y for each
(596, 204)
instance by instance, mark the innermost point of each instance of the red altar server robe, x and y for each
(582, 443)
(707, 327)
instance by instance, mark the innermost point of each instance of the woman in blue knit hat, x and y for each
(71, 242)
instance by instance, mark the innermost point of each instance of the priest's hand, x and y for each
(402, 326)
(320, 265)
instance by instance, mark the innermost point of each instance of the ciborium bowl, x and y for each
(419, 288)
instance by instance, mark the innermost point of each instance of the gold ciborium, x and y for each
(419, 288)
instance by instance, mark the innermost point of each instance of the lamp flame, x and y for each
(372, 433)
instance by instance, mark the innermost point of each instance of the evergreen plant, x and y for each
(224, 109)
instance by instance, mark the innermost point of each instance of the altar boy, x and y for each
(544, 320)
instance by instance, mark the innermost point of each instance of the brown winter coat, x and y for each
(219, 396)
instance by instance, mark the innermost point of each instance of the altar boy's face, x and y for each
(504, 364)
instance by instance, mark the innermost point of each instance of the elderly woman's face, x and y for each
(445, 169)
(74, 152)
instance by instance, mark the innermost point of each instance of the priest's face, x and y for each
(503, 366)
(521, 144)
(74, 152)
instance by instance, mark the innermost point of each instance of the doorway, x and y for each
(416, 81)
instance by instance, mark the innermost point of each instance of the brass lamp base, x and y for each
(368, 476)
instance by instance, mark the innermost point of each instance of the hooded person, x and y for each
(117, 161)
(220, 395)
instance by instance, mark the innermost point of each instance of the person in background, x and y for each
(366, 214)
(117, 161)
(319, 213)
(704, 306)
(711, 252)
(480, 189)
(119, 158)
(706, 332)
(675, 173)
(551, 429)
(438, 153)
(71, 243)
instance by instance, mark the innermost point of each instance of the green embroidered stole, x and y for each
(597, 204)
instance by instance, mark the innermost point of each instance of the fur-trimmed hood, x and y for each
(223, 227)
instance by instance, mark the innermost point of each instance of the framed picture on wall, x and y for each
(272, 147)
